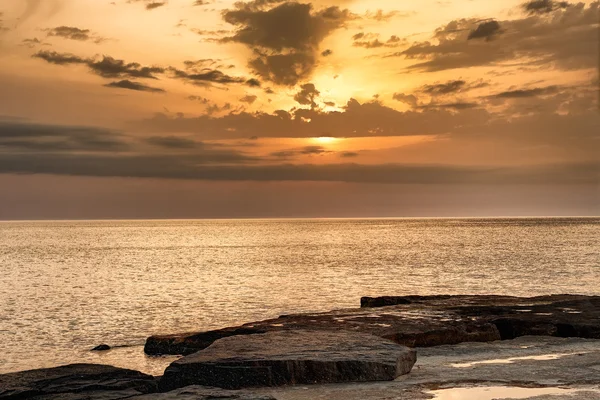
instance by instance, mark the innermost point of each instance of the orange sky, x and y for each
(343, 92)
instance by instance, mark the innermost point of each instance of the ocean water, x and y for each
(66, 287)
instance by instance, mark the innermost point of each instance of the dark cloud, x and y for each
(327, 52)
(444, 88)
(284, 69)
(568, 40)
(127, 84)
(150, 4)
(451, 87)
(249, 99)
(409, 99)
(2, 27)
(206, 77)
(525, 93)
(451, 106)
(253, 82)
(201, 3)
(23, 136)
(106, 67)
(173, 142)
(202, 100)
(54, 57)
(215, 36)
(72, 33)
(202, 167)
(349, 154)
(382, 16)
(544, 6)
(33, 42)
(306, 151)
(371, 41)
(109, 67)
(307, 95)
(486, 30)
(285, 39)
(355, 120)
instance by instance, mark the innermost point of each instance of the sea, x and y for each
(67, 286)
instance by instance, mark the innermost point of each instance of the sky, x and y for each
(328, 108)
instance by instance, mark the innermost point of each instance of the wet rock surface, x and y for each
(289, 358)
(76, 381)
(423, 321)
(205, 393)
(525, 362)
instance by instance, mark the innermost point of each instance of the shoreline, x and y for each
(461, 342)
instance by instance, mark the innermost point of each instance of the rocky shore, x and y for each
(332, 355)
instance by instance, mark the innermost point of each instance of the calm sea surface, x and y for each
(68, 286)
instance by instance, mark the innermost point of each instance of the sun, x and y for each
(325, 140)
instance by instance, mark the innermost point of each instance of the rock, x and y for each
(101, 347)
(76, 381)
(204, 393)
(189, 343)
(423, 321)
(574, 364)
(288, 358)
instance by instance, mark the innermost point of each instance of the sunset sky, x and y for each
(266, 108)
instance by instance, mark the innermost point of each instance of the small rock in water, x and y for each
(101, 347)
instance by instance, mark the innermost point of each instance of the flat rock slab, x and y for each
(205, 393)
(527, 362)
(422, 321)
(76, 381)
(291, 357)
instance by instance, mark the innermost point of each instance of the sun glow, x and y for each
(326, 140)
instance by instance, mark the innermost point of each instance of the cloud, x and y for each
(409, 99)
(70, 32)
(285, 39)
(33, 42)
(202, 100)
(249, 99)
(206, 77)
(22, 136)
(327, 52)
(525, 93)
(451, 106)
(544, 6)
(306, 151)
(382, 16)
(307, 95)
(54, 57)
(450, 88)
(567, 41)
(109, 67)
(371, 41)
(173, 142)
(106, 67)
(443, 90)
(486, 30)
(127, 84)
(74, 33)
(202, 167)
(150, 4)
(355, 120)
(2, 27)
